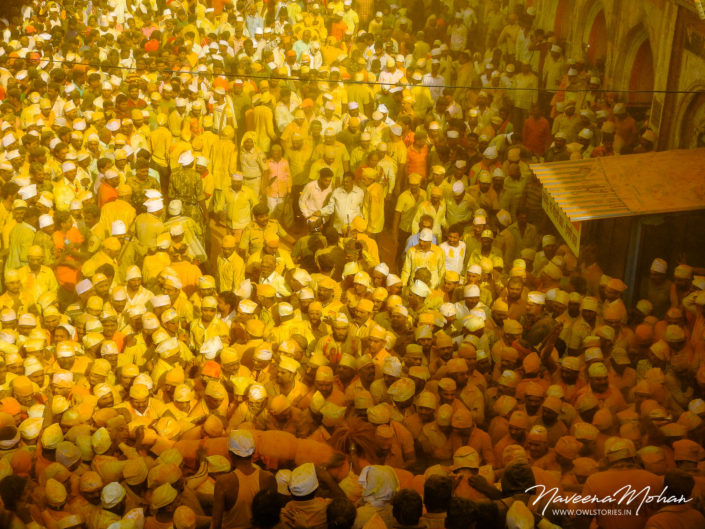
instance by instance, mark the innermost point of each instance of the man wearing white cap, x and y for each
(659, 287)
(185, 229)
(350, 17)
(119, 209)
(187, 185)
(234, 491)
(305, 505)
(424, 255)
(554, 69)
(21, 238)
(434, 80)
(568, 121)
(627, 132)
(140, 183)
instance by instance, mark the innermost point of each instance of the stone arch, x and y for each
(690, 119)
(595, 33)
(562, 20)
(636, 71)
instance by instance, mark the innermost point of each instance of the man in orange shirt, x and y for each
(626, 133)
(536, 132)
(107, 192)
(417, 156)
(622, 472)
(234, 491)
(677, 515)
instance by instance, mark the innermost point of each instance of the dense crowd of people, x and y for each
(285, 264)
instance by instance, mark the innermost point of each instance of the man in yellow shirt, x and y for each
(233, 207)
(252, 239)
(148, 225)
(271, 247)
(15, 297)
(436, 209)
(110, 250)
(159, 143)
(230, 266)
(424, 255)
(120, 209)
(208, 325)
(405, 209)
(373, 204)
(37, 279)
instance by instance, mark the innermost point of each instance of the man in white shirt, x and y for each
(345, 203)
(314, 195)
(454, 250)
(434, 80)
(350, 17)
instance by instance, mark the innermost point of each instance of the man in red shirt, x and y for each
(536, 132)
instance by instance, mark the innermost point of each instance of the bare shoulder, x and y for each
(226, 480)
(267, 480)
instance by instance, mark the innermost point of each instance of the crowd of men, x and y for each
(285, 265)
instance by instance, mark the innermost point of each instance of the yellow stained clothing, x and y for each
(64, 193)
(199, 332)
(147, 229)
(252, 239)
(153, 265)
(19, 303)
(5, 217)
(208, 138)
(231, 272)
(6, 229)
(282, 257)
(360, 93)
(183, 307)
(263, 119)
(406, 205)
(159, 144)
(46, 242)
(370, 246)
(397, 151)
(236, 206)
(373, 207)
(438, 215)
(21, 238)
(341, 152)
(141, 297)
(117, 210)
(174, 121)
(177, 148)
(290, 129)
(287, 329)
(422, 99)
(38, 283)
(336, 167)
(193, 235)
(433, 259)
(95, 262)
(223, 157)
(298, 162)
(135, 353)
(160, 369)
